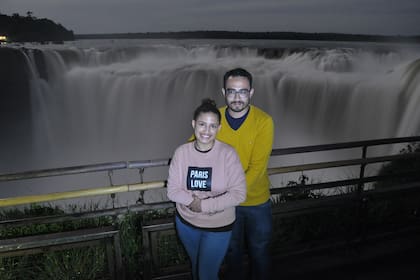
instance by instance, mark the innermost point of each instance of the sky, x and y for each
(374, 17)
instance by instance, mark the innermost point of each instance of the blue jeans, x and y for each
(206, 249)
(253, 226)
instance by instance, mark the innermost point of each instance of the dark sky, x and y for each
(384, 17)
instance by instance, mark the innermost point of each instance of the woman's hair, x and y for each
(207, 105)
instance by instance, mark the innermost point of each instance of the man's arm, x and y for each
(261, 152)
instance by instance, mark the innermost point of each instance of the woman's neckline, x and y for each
(201, 151)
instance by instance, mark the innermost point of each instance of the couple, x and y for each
(225, 166)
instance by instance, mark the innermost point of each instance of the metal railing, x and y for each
(358, 197)
(363, 161)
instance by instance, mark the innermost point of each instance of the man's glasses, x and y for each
(243, 92)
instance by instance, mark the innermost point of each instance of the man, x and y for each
(250, 131)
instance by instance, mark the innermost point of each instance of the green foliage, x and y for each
(14, 267)
(313, 226)
(34, 211)
(170, 251)
(402, 208)
(130, 236)
(157, 214)
(297, 191)
(80, 263)
(31, 29)
(130, 226)
(270, 53)
(64, 264)
(401, 165)
(75, 264)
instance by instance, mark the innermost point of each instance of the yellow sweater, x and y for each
(253, 142)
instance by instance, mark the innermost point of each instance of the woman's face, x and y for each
(205, 128)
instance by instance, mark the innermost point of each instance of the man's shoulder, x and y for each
(225, 147)
(259, 113)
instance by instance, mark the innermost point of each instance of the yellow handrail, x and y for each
(13, 201)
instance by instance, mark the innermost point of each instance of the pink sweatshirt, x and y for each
(216, 177)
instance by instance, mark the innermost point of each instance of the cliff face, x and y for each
(15, 103)
(14, 81)
(30, 29)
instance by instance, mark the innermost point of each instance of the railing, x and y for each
(141, 165)
(358, 198)
(32, 245)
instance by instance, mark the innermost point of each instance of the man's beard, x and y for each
(238, 106)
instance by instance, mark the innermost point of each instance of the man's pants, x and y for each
(254, 225)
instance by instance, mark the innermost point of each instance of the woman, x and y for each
(206, 180)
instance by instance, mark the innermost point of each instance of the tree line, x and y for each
(28, 28)
(31, 29)
(252, 35)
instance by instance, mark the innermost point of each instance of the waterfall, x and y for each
(410, 104)
(94, 103)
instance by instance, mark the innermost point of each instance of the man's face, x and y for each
(237, 94)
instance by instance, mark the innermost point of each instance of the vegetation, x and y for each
(297, 191)
(252, 35)
(372, 215)
(30, 29)
(81, 262)
(401, 166)
(35, 210)
(404, 207)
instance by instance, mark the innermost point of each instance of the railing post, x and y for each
(362, 171)
(361, 200)
(147, 258)
(118, 257)
(110, 252)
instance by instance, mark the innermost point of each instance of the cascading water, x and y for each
(134, 101)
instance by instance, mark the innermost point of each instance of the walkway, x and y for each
(397, 259)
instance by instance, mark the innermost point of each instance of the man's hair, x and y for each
(207, 105)
(237, 72)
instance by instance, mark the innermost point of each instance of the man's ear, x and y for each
(224, 92)
(193, 124)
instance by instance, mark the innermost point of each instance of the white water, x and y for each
(133, 100)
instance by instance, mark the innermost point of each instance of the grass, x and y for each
(79, 263)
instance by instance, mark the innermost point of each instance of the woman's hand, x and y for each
(195, 205)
